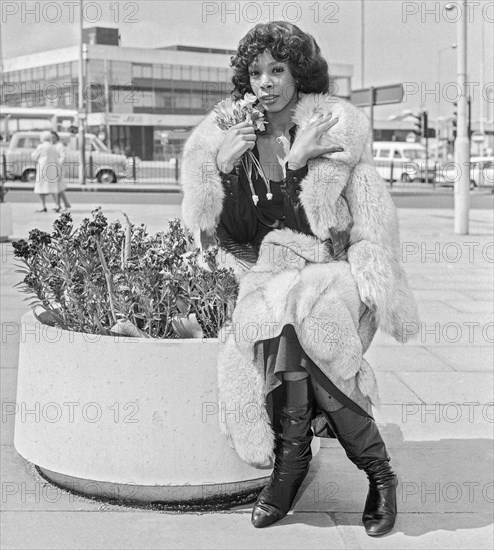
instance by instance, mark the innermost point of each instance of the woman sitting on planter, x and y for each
(314, 243)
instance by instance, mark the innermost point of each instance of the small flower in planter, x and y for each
(105, 278)
(21, 249)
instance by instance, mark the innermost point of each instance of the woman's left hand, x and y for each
(307, 143)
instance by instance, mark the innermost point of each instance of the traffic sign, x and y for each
(383, 95)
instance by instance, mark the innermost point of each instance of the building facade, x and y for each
(141, 101)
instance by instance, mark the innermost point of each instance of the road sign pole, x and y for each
(425, 129)
(372, 98)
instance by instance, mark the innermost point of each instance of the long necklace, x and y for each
(248, 162)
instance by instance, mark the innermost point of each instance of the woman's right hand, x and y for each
(238, 139)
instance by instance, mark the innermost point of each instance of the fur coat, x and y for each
(295, 280)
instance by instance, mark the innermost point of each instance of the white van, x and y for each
(403, 161)
(106, 167)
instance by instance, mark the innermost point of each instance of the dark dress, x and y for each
(240, 231)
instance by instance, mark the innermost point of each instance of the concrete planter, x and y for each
(130, 419)
(6, 226)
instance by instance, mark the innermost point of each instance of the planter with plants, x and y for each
(117, 380)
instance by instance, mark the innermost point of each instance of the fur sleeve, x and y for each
(200, 178)
(374, 253)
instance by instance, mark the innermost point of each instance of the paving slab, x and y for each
(453, 387)
(424, 531)
(117, 531)
(24, 490)
(466, 358)
(407, 358)
(8, 388)
(392, 390)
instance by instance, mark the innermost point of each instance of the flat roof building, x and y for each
(143, 100)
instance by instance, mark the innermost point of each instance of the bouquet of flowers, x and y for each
(228, 114)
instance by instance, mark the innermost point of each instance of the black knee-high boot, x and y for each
(292, 453)
(364, 446)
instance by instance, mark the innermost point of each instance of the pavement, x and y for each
(436, 416)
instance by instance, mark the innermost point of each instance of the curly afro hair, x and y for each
(285, 42)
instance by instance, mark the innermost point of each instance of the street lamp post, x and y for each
(462, 142)
(362, 43)
(81, 111)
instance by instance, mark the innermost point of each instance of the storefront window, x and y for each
(182, 100)
(166, 71)
(51, 72)
(64, 70)
(186, 72)
(145, 99)
(39, 73)
(157, 72)
(164, 99)
(195, 73)
(213, 74)
(196, 101)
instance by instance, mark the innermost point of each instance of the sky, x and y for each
(401, 38)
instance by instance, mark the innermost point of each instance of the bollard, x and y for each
(91, 167)
(176, 170)
(4, 167)
(134, 171)
(391, 174)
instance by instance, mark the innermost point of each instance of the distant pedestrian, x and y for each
(47, 169)
(61, 185)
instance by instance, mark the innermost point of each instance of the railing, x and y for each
(134, 171)
(397, 171)
(153, 171)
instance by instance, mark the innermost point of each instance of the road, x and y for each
(440, 198)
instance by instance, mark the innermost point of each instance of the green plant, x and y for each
(98, 277)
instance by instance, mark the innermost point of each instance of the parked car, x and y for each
(403, 161)
(101, 164)
(481, 173)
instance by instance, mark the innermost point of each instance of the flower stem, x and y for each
(108, 279)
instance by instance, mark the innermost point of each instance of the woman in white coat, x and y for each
(47, 169)
(62, 187)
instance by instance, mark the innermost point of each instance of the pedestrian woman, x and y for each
(313, 239)
(47, 169)
(61, 186)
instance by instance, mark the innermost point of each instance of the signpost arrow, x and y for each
(383, 95)
(378, 95)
